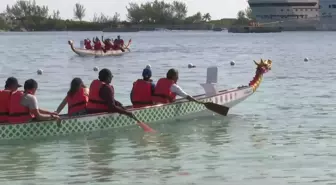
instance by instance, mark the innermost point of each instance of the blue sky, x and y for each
(217, 8)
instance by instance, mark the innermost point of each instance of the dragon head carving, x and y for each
(263, 66)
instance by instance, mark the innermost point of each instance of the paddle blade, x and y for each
(219, 109)
(145, 127)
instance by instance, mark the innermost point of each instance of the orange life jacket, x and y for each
(77, 102)
(95, 102)
(17, 112)
(5, 96)
(162, 93)
(142, 94)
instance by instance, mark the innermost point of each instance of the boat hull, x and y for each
(98, 122)
(87, 52)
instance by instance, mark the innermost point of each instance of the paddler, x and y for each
(76, 98)
(97, 44)
(166, 89)
(143, 90)
(121, 41)
(11, 86)
(108, 45)
(118, 44)
(87, 43)
(23, 106)
(101, 96)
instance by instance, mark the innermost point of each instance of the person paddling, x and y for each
(87, 44)
(101, 96)
(11, 86)
(24, 107)
(118, 44)
(76, 98)
(166, 89)
(143, 90)
(108, 45)
(97, 45)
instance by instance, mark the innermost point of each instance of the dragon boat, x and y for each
(104, 121)
(101, 53)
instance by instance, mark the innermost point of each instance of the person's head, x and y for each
(97, 39)
(147, 74)
(30, 86)
(75, 85)
(12, 84)
(172, 74)
(105, 75)
(118, 36)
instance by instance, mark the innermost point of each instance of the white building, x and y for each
(287, 13)
(327, 15)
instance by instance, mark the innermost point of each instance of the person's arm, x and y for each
(178, 91)
(86, 91)
(33, 107)
(43, 111)
(105, 93)
(62, 105)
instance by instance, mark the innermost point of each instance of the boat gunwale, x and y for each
(178, 101)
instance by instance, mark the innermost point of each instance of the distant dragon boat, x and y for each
(89, 52)
(151, 114)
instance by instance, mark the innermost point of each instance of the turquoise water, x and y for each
(284, 133)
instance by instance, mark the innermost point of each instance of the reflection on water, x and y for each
(18, 163)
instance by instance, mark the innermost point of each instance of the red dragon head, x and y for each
(263, 66)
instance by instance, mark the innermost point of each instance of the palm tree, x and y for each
(79, 11)
(206, 17)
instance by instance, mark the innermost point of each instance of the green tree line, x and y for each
(160, 12)
(26, 14)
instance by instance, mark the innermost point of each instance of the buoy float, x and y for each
(95, 69)
(39, 71)
(232, 63)
(190, 65)
(306, 59)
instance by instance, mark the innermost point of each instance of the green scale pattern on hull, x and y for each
(96, 122)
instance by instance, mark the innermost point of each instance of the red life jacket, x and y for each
(95, 102)
(116, 42)
(5, 96)
(17, 112)
(108, 45)
(88, 44)
(77, 102)
(142, 94)
(115, 47)
(98, 45)
(162, 93)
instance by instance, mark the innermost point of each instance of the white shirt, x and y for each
(178, 91)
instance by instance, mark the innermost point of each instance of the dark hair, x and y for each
(75, 85)
(30, 84)
(104, 74)
(171, 73)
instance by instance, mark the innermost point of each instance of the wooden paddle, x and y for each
(219, 109)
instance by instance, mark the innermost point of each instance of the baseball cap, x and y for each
(12, 81)
(147, 73)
